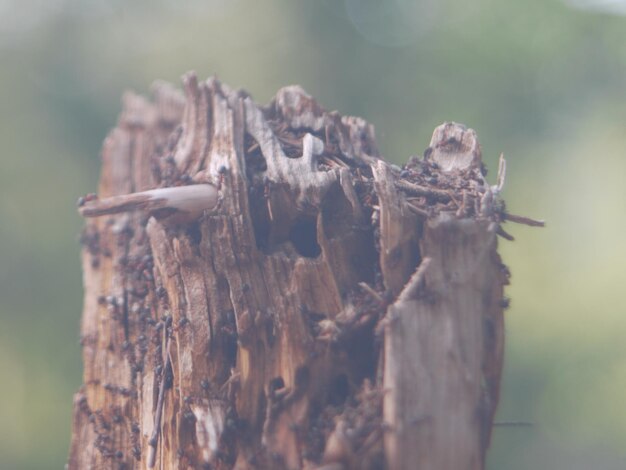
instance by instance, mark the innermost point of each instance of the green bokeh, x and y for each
(538, 80)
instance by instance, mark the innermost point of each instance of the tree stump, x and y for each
(263, 291)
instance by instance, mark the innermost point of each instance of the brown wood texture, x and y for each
(331, 311)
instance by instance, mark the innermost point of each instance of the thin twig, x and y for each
(501, 175)
(417, 210)
(419, 190)
(411, 288)
(367, 288)
(233, 377)
(504, 234)
(520, 219)
(452, 198)
(338, 161)
(409, 292)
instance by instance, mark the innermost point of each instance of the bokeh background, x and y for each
(543, 81)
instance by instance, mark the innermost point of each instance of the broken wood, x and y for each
(262, 290)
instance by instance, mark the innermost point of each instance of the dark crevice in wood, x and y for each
(256, 164)
(337, 213)
(194, 233)
(303, 236)
(259, 214)
(339, 390)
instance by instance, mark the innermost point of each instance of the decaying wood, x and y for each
(262, 290)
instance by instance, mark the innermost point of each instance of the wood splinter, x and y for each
(519, 219)
(182, 203)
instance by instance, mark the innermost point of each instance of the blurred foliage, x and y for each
(539, 80)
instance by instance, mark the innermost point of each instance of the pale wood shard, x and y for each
(245, 334)
(399, 234)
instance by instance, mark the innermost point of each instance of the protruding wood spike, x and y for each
(185, 202)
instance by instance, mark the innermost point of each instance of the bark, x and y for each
(300, 303)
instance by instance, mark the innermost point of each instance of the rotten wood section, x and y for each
(445, 329)
(262, 290)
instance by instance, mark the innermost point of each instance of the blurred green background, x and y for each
(544, 81)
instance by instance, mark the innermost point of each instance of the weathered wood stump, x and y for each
(282, 297)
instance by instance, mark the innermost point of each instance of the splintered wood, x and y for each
(263, 291)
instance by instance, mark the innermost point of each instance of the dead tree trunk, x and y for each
(282, 297)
